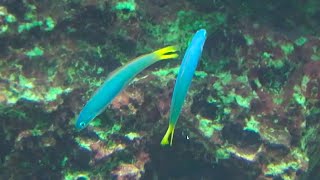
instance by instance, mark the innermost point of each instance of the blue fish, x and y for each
(117, 81)
(186, 72)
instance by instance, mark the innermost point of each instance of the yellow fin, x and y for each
(168, 52)
(165, 139)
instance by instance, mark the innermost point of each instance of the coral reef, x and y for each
(252, 111)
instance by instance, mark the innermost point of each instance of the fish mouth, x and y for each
(204, 32)
(79, 126)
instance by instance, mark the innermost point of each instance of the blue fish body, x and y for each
(116, 82)
(186, 72)
(184, 78)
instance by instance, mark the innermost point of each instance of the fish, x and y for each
(117, 81)
(183, 81)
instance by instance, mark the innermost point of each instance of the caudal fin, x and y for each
(165, 139)
(168, 52)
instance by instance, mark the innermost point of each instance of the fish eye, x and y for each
(82, 124)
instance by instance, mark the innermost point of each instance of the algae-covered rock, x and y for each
(251, 112)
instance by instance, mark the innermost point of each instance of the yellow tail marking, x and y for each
(165, 139)
(168, 52)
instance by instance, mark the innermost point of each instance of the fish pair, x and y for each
(121, 77)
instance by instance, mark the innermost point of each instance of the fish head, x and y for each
(199, 38)
(83, 120)
(201, 34)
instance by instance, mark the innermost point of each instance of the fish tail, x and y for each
(168, 52)
(165, 139)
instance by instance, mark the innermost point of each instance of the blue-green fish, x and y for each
(117, 81)
(186, 72)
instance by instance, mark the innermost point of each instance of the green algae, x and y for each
(227, 110)
(257, 82)
(228, 98)
(249, 39)
(222, 153)
(217, 86)
(10, 18)
(207, 126)
(279, 137)
(29, 25)
(211, 99)
(132, 135)
(299, 155)
(64, 161)
(77, 176)
(266, 55)
(26, 89)
(242, 101)
(200, 74)
(36, 132)
(32, 21)
(186, 23)
(166, 72)
(6, 20)
(174, 71)
(276, 169)
(287, 48)
(54, 92)
(104, 134)
(36, 51)
(243, 154)
(239, 99)
(225, 77)
(84, 143)
(125, 11)
(100, 70)
(50, 24)
(277, 100)
(128, 5)
(301, 41)
(252, 125)
(243, 79)
(298, 96)
(4, 28)
(96, 123)
(12, 113)
(25, 82)
(315, 57)
(304, 82)
(276, 63)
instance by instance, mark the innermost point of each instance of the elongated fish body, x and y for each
(184, 78)
(117, 81)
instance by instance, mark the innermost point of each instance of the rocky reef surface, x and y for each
(252, 111)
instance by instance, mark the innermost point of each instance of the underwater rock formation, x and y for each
(251, 112)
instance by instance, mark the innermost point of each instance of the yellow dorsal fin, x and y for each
(168, 52)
